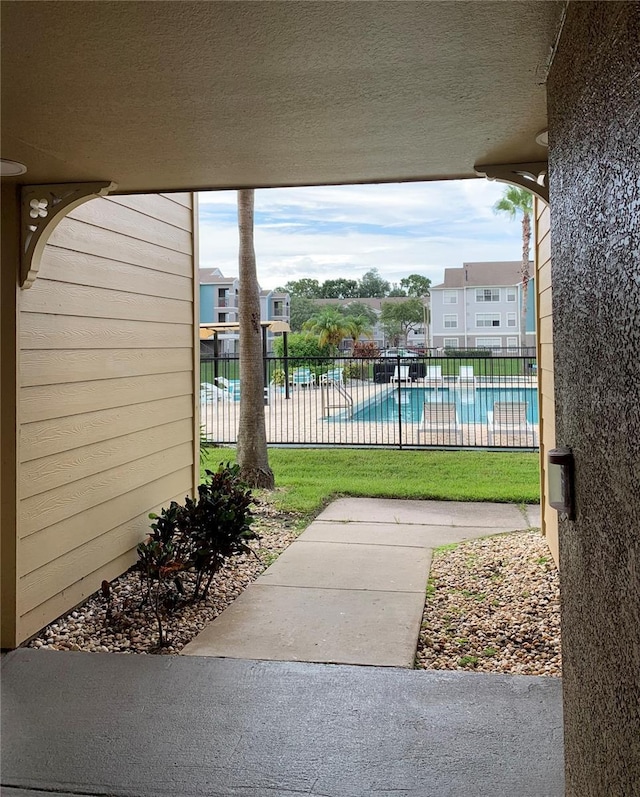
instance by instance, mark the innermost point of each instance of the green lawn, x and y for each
(308, 478)
(227, 368)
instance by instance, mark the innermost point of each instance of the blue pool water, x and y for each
(472, 404)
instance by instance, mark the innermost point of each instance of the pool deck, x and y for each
(302, 418)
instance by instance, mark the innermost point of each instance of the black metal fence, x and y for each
(427, 401)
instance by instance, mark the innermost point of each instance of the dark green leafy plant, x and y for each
(199, 536)
(218, 524)
(278, 377)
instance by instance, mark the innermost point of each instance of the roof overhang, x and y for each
(163, 96)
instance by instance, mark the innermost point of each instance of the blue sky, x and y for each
(343, 231)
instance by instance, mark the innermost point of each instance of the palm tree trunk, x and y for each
(252, 439)
(526, 243)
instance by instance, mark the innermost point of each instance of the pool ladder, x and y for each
(338, 399)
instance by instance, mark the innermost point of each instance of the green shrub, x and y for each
(198, 537)
(304, 350)
(277, 377)
(478, 353)
(218, 524)
(356, 370)
(366, 350)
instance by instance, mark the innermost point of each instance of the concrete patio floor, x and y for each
(351, 588)
(153, 726)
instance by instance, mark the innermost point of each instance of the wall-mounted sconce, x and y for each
(11, 168)
(560, 481)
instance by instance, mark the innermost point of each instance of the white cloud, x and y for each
(335, 231)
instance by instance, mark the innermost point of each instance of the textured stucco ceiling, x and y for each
(175, 95)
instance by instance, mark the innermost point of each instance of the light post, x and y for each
(426, 315)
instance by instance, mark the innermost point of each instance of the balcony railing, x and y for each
(228, 301)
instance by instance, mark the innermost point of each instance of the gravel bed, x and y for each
(493, 606)
(133, 629)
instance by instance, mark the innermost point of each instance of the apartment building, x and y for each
(479, 306)
(219, 304)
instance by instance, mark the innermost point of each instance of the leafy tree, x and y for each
(339, 289)
(514, 202)
(416, 285)
(306, 287)
(359, 309)
(252, 454)
(396, 290)
(302, 347)
(330, 326)
(301, 310)
(372, 285)
(400, 317)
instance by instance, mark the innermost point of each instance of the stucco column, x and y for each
(595, 244)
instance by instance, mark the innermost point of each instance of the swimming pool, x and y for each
(472, 404)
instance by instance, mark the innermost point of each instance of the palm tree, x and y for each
(513, 202)
(330, 326)
(357, 326)
(252, 452)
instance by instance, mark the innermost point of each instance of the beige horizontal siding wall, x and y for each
(545, 367)
(107, 406)
(10, 249)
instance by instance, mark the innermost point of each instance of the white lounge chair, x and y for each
(466, 382)
(332, 377)
(466, 375)
(210, 393)
(440, 424)
(303, 377)
(227, 386)
(433, 375)
(400, 374)
(509, 418)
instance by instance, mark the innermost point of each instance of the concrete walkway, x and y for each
(351, 588)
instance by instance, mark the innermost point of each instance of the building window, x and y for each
(512, 321)
(450, 343)
(222, 317)
(487, 294)
(512, 343)
(488, 343)
(487, 319)
(512, 294)
(450, 321)
(450, 297)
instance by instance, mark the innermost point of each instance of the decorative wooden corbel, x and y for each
(42, 207)
(532, 176)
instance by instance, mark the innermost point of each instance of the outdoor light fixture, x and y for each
(560, 481)
(543, 138)
(11, 168)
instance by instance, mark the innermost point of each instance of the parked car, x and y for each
(395, 352)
